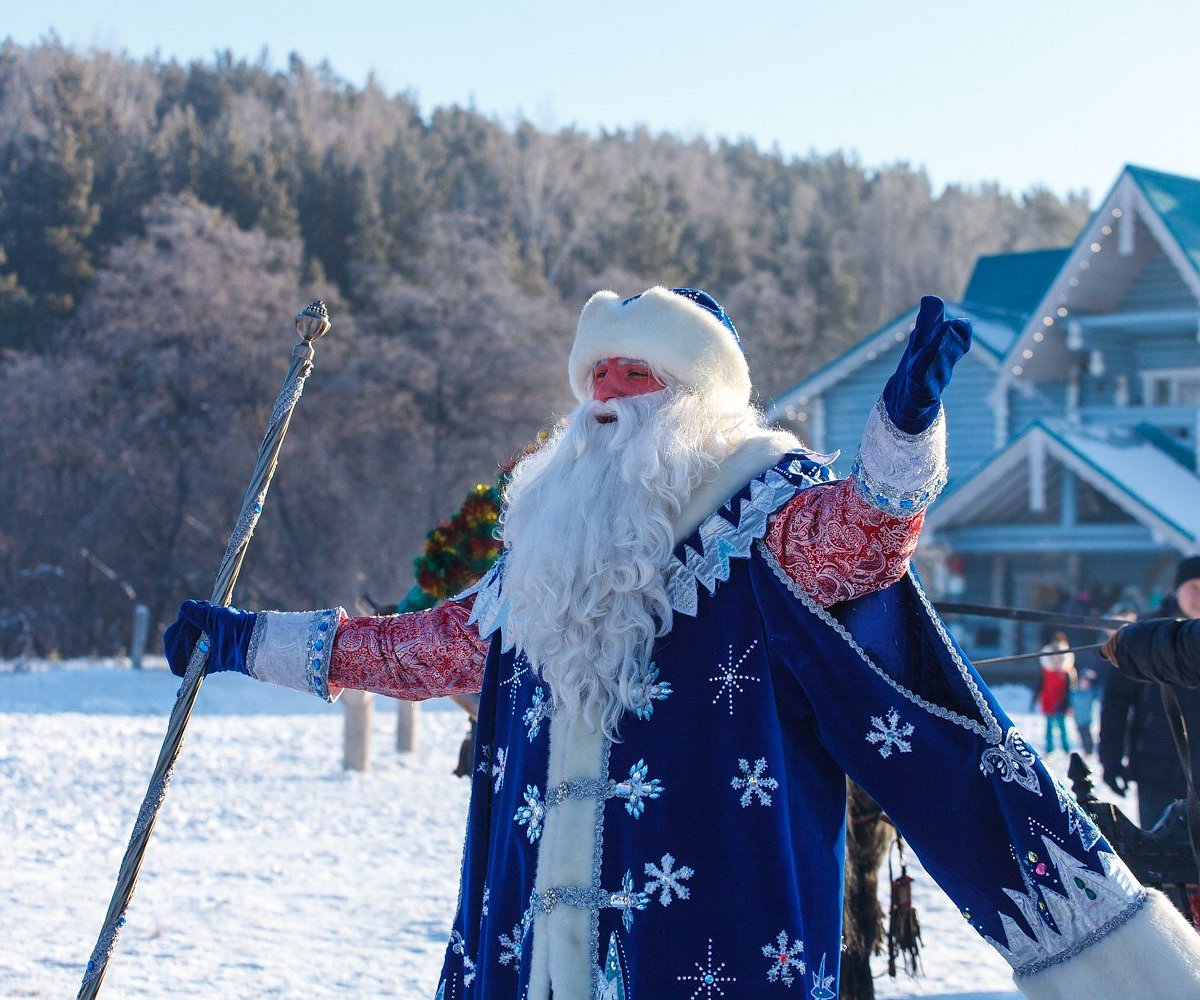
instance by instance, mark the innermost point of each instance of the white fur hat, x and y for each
(668, 329)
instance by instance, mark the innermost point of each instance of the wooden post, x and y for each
(141, 629)
(356, 750)
(406, 726)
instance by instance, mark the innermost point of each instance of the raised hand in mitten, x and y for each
(228, 631)
(914, 392)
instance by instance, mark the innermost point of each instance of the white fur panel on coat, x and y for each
(562, 939)
(1156, 953)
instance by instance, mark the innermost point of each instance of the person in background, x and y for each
(1166, 650)
(1054, 695)
(1083, 705)
(1135, 737)
(1092, 671)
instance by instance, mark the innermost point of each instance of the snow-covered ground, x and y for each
(272, 872)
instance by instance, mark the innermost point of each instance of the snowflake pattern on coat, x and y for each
(513, 683)
(786, 962)
(532, 814)
(708, 978)
(890, 735)
(757, 784)
(729, 678)
(499, 764)
(627, 899)
(511, 945)
(537, 713)
(837, 546)
(650, 691)
(426, 654)
(666, 880)
(636, 789)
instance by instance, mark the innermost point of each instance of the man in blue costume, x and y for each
(693, 635)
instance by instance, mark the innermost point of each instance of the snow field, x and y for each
(272, 872)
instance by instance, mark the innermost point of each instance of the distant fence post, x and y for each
(141, 629)
(356, 750)
(406, 726)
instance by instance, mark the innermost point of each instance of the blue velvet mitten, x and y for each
(228, 629)
(914, 392)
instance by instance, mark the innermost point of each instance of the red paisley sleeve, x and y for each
(837, 546)
(424, 654)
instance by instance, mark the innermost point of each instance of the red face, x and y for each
(618, 378)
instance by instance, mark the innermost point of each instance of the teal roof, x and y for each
(1012, 284)
(1176, 199)
(1129, 462)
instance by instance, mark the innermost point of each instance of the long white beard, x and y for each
(589, 526)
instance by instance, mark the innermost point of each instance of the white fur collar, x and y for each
(754, 456)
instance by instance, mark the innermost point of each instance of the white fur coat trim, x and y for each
(1156, 953)
(672, 334)
(567, 852)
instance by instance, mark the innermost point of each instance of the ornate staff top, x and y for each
(312, 321)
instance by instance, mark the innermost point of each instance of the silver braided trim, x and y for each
(900, 473)
(586, 897)
(581, 788)
(579, 896)
(994, 733)
(1101, 932)
(989, 730)
(256, 638)
(597, 862)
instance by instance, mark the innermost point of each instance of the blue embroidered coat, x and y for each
(713, 832)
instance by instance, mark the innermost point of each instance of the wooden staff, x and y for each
(311, 322)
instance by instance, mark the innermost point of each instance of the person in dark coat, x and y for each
(1135, 737)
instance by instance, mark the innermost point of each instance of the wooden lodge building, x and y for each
(1074, 421)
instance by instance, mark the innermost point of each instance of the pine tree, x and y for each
(49, 211)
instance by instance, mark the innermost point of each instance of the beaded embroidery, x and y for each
(729, 677)
(756, 783)
(1059, 925)
(667, 880)
(707, 978)
(784, 959)
(890, 734)
(532, 814)
(537, 712)
(650, 690)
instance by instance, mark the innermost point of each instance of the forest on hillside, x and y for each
(160, 224)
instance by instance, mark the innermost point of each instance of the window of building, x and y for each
(1177, 387)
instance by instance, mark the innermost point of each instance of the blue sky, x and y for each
(1059, 93)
